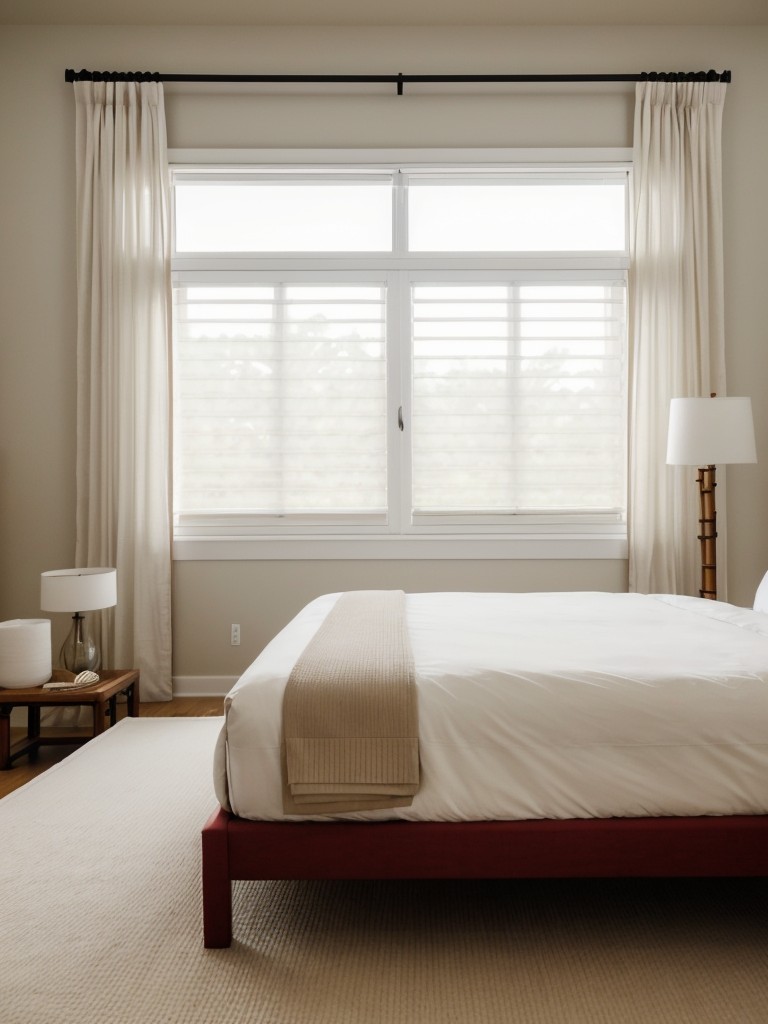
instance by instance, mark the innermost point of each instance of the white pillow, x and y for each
(761, 597)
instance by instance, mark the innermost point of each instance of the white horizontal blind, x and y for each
(280, 398)
(518, 397)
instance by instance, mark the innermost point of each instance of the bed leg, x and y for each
(217, 885)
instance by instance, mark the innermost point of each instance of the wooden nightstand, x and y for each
(101, 696)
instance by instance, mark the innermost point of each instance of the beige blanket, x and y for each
(350, 723)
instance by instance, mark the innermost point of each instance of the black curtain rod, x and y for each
(399, 80)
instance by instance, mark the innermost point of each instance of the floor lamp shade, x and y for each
(710, 431)
(704, 432)
(76, 591)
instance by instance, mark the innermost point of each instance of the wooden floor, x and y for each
(24, 770)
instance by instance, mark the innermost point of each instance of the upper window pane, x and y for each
(586, 215)
(284, 216)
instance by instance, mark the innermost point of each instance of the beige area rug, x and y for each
(100, 922)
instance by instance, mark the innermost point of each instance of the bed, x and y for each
(560, 735)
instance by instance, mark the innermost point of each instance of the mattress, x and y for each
(541, 705)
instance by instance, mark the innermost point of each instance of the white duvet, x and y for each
(546, 706)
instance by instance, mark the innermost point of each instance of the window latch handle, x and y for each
(400, 417)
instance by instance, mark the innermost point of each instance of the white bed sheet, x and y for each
(546, 705)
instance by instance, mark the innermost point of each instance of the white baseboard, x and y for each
(203, 686)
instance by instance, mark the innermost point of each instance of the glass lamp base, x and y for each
(79, 651)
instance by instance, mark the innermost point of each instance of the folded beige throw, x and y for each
(350, 722)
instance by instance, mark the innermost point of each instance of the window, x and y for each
(399, 353)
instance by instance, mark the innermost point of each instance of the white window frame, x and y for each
(229, 537)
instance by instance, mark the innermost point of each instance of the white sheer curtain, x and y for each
(676, 317)
(123, 369)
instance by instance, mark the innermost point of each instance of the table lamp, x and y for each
(78, 591)
(704, 432)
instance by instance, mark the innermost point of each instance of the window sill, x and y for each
(302, 548)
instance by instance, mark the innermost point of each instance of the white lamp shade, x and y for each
(78, 590)
(710, 431)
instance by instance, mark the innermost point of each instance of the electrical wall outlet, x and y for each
(234, 635)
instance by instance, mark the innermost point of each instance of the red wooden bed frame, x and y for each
(235, 848)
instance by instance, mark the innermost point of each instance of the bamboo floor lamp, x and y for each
(705, 432)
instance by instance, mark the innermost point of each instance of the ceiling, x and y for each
(368, 13)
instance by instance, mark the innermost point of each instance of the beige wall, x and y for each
(37, 283)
